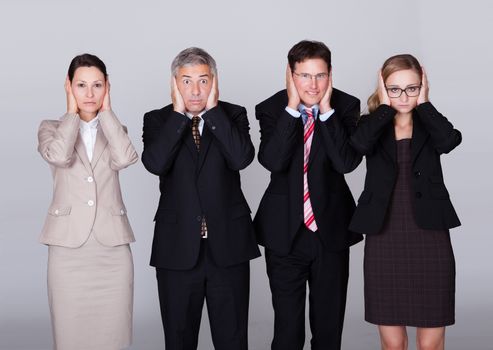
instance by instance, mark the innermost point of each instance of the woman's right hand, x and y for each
(383, 97)
(71, 102)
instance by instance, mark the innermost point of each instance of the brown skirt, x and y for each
(90, 292)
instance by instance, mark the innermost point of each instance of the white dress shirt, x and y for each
(88, 131)
(296, 113)
(201, 124)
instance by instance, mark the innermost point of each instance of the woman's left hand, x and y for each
(425, 89)
(106, 100)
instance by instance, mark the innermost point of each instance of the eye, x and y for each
(81, 85)
(305, 76)
(187, 81)
(98, 85)
(321, 76)
(203, 81)
(412, 89)
(394, 90)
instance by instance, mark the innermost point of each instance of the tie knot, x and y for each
(195, 120)
(309, 112)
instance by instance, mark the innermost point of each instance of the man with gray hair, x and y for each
(203, 236)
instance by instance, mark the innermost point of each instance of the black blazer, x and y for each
(280, 213)
(195, 183)
(432, 135)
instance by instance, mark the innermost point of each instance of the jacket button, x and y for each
(417, 173)
(418, 195)
(199, 218)
(213, 127)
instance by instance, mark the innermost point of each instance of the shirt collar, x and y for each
(92, 124)
(314, 108)
(190, 115)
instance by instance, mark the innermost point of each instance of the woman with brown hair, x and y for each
(90, 268)
(405, 210)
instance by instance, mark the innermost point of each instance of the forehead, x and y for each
(403, 77)
(311, 65)
(194, 71)
(88, 74)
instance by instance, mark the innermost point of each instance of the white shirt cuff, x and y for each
(326, 115)
(293, 112)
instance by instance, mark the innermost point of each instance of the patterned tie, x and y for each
(196, 138)
(307, 205)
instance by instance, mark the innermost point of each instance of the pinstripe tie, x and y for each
(309, 218)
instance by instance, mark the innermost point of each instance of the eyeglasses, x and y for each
(410, 91)
(305, 77)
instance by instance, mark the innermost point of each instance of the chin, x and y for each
(310, 100)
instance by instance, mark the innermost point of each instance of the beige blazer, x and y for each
(86, 195)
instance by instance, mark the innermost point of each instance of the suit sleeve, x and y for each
(232, 134)
(56, 141)
(443, 135)
(162, 140)
(370, 128)
(122, 151)
(277, 139)
(335, 134)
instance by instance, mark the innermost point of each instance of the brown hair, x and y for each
(307, 49)
(86, 60)
(391, 65)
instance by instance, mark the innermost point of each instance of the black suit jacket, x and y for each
(194, 184)
(432, 135)
(280, 213)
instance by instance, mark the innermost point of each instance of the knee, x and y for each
(427, 343)
(396, 343)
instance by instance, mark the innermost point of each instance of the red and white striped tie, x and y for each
(307, 204)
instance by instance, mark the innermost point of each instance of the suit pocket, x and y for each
(56, 210)
(166, 215)
(437, 188)
(365, 197)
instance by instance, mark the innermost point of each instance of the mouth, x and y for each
(312, 93)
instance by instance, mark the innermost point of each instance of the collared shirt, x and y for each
(88, 131)
(296, 113)
(201, 124)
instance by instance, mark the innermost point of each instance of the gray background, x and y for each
(249, 40)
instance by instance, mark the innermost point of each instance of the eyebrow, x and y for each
(95, 81)
(410, 85)
(200, 76)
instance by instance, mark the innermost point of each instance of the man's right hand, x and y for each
(176, 98)
(71, 102)
(293, 96)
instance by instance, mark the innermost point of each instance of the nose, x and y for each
(403, 96)
(313, 82)
(89, 92)
(195, 89)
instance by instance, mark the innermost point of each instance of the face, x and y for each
(194, 84)
(403, 79)
(311, 78)
(88, 87)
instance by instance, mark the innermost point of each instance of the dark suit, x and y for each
(432, 136)
(194, 184)
(279, 223)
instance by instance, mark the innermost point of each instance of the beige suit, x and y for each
(90, 268)
(80, 203)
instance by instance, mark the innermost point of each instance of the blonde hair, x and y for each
(392, 65)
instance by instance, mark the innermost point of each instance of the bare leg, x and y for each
(430, 338)
(393, 337)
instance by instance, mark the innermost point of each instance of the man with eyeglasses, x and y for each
(304, 214)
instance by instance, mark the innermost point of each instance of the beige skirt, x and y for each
(90, 292)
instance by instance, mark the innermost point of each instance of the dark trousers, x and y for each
(327, 276)
(226, 291)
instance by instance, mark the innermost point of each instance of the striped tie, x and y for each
(307, 205)
(196, 138)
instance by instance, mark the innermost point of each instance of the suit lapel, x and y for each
(205, 142)
(419, 137)
(99, 147)
(81, 152)
(388, 142)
